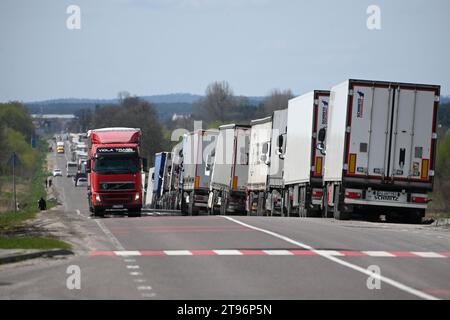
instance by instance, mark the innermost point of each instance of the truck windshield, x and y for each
(116, 165)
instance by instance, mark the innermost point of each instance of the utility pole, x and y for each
(14, 180)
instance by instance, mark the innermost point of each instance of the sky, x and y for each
(151, 47)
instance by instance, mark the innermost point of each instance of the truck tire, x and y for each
(134, 213)
(416, 217)
(99, 212)
(192, 209)
(337, 213)
(183, 206)
(224, 205)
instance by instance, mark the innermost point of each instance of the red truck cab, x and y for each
(114, 169)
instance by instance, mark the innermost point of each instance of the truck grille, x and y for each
(111, 186)
(116, 198)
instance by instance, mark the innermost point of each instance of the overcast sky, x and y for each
(165, 46)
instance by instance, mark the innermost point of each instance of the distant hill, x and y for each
(166, 105)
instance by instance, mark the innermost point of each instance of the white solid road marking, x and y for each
(228, 252)
(130, 260)
(368, 273)
(330, 253)
(428, 254)
(378, 254)
(178, 252)
(135, 273)
(111, 237)
(278, 252)
(127, 253)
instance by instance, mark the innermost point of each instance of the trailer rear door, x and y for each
(391, 131)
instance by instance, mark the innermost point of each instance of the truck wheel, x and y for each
(134, 213)
(338, 214)
(223, 205)
(183, 206)
(416, 217)
(99, 212)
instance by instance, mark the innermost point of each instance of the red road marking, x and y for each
(403, 254)
(103, 253)
(253, 252)
(152, 253)
(197, 230)
(438, 291)
(202, 252)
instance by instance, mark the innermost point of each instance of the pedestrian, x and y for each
(46, 183)
(42, 204)
(49, 183)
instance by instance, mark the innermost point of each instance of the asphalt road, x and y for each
(160, 256)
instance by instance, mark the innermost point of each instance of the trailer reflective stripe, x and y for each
(319, 161)
(197, 182)
(424, 174)
(235, 182)
(352, 163)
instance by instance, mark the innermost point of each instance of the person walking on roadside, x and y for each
(46, 183)
(42, 204)
(49, 183)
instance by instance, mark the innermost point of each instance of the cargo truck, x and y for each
(303, 164)
(114, 170)
(175, 178)
(158, 178)
(380, 149)
(196, 178)
(259, 160)
(149, 191)
(230, 170)
(275, 200)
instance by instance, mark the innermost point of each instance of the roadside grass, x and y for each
(32, 243)
(35, 188)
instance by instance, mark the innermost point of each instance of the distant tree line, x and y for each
(16, 131)
(129, 112)
(220, 105)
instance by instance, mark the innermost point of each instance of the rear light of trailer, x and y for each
(419, 199)
(353, 194)
(317, 194)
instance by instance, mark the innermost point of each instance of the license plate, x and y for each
(117, 206)
(386, 196)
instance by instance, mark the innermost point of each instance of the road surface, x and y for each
(162, 256)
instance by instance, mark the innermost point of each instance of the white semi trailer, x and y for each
(196, 146)
(258, 166)
(229, 170)
(303, 164)
(380, 149)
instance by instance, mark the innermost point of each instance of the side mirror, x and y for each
(88, 166)
(263, 158)
(144, 164)
(322, 135)
(280, 144)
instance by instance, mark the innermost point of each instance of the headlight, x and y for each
(97, 198)
(136, 197)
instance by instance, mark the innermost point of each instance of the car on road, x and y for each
(57, 172)
(81, 182)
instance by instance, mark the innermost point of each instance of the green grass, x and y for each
(32, 243)
(28, 210)
(11, 219)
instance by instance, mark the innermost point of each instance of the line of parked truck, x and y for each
(363, 147)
